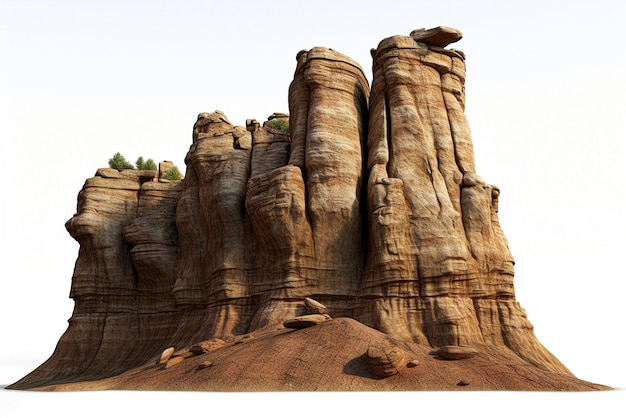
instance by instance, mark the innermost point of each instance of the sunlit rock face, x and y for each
(439, 270)
(368, 202)
(213, 246)
(306, 213)
(122, 278)
(433, 221)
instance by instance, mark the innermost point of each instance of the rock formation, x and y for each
(368, 208)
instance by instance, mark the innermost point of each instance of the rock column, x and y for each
(211, 224)
(429, 253)
(306, 214)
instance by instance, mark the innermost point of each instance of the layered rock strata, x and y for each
(306, 212)
(439, 268)
(123, 276)
(370, 204)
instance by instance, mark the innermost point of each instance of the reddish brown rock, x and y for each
(413, 363)
(305, 210)
(305, 321)
(455, 352)
(166, 355)
(384, 361)
(439, 269)
(174, 361)
(314, 307)
(369, 208)
(440, 36)
(207, 346)
(205, 364)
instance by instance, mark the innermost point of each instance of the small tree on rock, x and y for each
(150, 165)
(145, 165)
(173, 174)
(119, 162)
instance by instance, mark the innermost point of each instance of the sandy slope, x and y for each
(329, 357)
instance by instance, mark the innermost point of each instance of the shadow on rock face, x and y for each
(358, 367)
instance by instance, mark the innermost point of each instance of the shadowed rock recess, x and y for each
(359, 250)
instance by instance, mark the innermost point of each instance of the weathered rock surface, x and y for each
(173, 362)
(369, 208)
(440, 36)
(384, 361)
(314, 307)
(207, 346)
(166, 355)
(455, 352)
(305, 321)
(439, 270)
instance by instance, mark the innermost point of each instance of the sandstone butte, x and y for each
(357, 251)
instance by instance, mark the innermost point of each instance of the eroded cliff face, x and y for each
(439, 269)
(370, 204)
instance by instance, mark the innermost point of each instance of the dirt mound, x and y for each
(331, 357)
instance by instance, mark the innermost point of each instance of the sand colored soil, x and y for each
(330, 357)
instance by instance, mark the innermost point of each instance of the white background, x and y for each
(546, 89)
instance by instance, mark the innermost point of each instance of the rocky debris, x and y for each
(455, 352)
(330, 357)
(462, 383)
(244, 339)
(440, 36)
(305, 321)
(312, 306)
(173, 361)
(412, 363)
(205, 364)
(184, 353)
(166, 355)
(384, 361)
(206, 346)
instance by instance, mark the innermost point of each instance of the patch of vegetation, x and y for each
(280, 124)
(145, 165)
(172, 174)
(119, 162)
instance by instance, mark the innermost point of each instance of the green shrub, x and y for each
(145, 165)
(173, 174)
(150, 165)
(280, 124)
(119, 162)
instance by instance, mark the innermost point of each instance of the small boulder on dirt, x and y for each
(456, 352)
(305, 321)
(384, 361)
